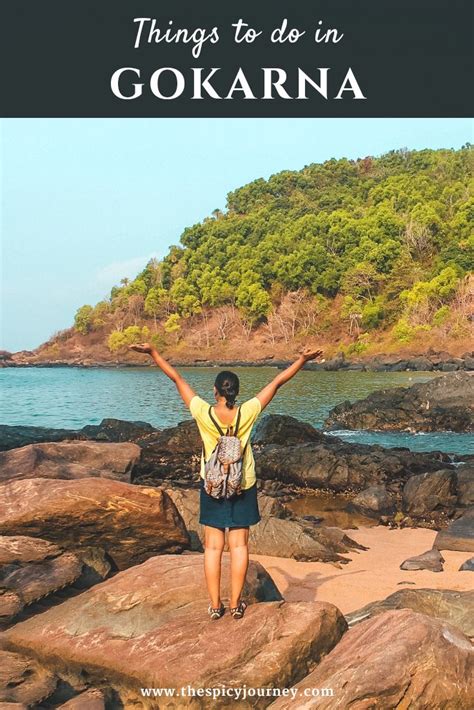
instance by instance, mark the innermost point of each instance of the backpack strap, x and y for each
(237, 423)
(215, 423)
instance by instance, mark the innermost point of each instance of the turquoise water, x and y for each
(73, 397)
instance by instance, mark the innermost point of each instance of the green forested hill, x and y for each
(367, 246)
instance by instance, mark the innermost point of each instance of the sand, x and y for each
(371, 575)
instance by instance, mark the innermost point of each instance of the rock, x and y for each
(268, 505)
(430, 491)
(31, 569)
(430, 560)
(450, 366)
(92, 699)
(130, 523)
(96, 566)
(457, 608)
(275, 535)
(374, 501)
(398, 659)
(12, 437)
(420, 364)
(140, 629)
(23, 681)
(465, 485)
(109, 430)
(468, 566)
(282, 429)
(459, 535)
(23, 549)
(173, 453)
(187, 504)
(442, 404)
(340, 466)
(295, 539)
(69, 460)
(118, 430)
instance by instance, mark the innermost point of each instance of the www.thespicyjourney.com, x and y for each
(236, 692)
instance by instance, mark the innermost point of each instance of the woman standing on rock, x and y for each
(224, 428)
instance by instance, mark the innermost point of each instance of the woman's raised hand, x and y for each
(310, 354)
(141, 348)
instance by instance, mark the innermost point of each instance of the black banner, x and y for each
(170, 59)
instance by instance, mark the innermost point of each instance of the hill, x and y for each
(363, 256)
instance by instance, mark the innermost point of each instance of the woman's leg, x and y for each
(213, 546)
(239, 562)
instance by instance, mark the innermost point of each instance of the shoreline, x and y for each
(377, 364)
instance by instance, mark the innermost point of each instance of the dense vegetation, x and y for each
(372, 245)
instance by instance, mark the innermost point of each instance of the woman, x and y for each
(239, 512)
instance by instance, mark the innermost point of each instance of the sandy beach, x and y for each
(371, 575)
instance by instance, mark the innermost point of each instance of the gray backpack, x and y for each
(223, 470)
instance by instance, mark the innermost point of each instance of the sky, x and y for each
(86, 202)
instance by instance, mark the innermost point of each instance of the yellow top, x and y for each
(249, 412)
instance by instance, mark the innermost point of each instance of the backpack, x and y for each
(223, 470)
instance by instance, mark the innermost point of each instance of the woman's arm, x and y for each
(186, 392)
(266, 395)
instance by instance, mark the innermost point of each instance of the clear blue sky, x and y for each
(87, 202)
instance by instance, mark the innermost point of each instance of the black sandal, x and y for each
(216, 613)
(237, 612)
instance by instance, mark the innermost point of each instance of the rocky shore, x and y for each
(442, 404)
(102, 589)
(429, 362)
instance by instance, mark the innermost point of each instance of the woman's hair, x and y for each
(227, 384)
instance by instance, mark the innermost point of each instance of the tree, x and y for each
(185, 298)
(173, 325)
(254, 302)
(83, 319)
(361, 280)
(118, 340)
(156, 302)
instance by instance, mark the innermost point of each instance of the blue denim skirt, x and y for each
(237, 512)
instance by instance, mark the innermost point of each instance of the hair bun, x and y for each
(227, 385)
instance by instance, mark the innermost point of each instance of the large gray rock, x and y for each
(285, 430)
(130, 523)
(442, 404)
(468, 566)
(398, 659)
(119, 430)
(172, 454)
(430, 560)
(69, 460)
(465, 485)
(459, 535)
(374, 501)
(426, 492)
(457, 608)
(340, 466)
